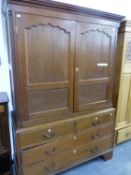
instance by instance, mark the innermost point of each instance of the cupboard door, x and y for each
(93, 66)
(45, 63)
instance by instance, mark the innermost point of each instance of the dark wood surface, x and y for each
(70, 156)
(44, 145)
(94, 78)
(47, 89)
(108, 155)
(63, 60)
(4, 135)
(53, 148)
(40, 134)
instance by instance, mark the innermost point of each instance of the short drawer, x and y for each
(124, 134)
(46, 151)
(70, 157)
(94, 121)
(44, 133)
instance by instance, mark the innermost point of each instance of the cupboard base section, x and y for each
(55, 147)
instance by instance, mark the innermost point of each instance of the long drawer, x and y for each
(46, 151)
(46, 133)
(67, 158)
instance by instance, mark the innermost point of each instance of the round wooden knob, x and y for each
(77, 69)
(96, 118)
(74, 151)
(49, 130)
(75, 137)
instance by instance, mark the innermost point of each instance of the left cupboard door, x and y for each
(45, 66)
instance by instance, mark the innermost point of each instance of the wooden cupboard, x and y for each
(63, 62)
(123, 118)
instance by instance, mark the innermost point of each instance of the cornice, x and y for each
(68, 7)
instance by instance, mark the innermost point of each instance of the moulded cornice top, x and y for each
(69, 7)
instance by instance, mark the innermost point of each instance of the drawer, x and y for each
(46, 151)
(124, 134)
(44, 133)
(70, 157)
(93, 121)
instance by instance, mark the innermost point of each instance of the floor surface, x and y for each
(119, 165)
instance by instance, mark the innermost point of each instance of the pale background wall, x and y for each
(4, 67)
(122, 7)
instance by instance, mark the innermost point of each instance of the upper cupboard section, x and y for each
(63, 62)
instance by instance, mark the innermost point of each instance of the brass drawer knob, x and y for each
(50, 152)
(95, 123)
(49, 134)
(95, 136)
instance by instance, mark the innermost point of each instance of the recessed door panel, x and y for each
(47, 58)
(46, 100)
(92, 93)
(94, 54)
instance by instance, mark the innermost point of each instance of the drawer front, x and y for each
(94, 121)
(69, 157)
(45, 134)
(46, 151)
(124, 134)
